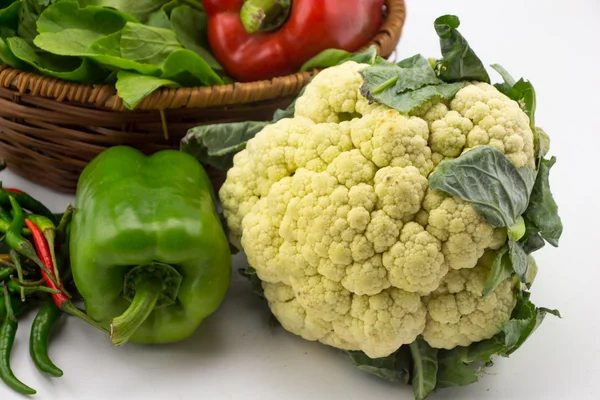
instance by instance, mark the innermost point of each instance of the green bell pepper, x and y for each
(148, 252)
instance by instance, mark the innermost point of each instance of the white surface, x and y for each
(235, 355)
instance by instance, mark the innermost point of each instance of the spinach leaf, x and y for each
(65, 68)
(140, 9)
(106, 51)
(406, 85)
(28, 15)
(543, 210)
(522, 92)
(65, 29)
(393, 368)
(191, 28)
(500, 270)
(216, 145)
(459, 62)
(331, 57)
(189, 69)
(9, 16)
(425, 366)
(487, 179)
(7, 57)
(133, 87)
(147, 44)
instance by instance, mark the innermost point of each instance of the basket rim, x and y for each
(104, 96)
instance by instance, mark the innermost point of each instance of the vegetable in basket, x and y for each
(394, 214)
(148, 252)
(262, 39)
(146, 45)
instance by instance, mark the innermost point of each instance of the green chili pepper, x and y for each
(152, 260)
(5, 273)
(16, 259)
(27, 202)
(5, 225)
(42, 326)
(8, 331)
(17, 307)
(5, 215)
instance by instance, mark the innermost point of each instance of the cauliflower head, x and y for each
(333, 210)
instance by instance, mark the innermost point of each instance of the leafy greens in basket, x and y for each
(140, 46)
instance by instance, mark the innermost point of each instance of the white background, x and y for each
(235, 355)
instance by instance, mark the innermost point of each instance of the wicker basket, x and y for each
(51, 129)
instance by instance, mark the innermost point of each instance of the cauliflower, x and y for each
(333, 210)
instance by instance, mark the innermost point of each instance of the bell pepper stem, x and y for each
(264, 15)
(147, 292)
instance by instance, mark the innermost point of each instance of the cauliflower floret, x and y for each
(380, 324)
(389, 138)
(332, 95)
(464, 233)
(400, 191)
(333, 210)
(415, 263)
(458, 315)
(449, 134)
(499, 122)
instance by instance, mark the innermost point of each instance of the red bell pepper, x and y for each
(311, 27)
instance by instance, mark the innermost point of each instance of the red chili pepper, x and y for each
(43, 251)
(61, 300)
(13, 190)
(312, 26)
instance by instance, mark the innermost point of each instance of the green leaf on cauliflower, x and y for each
(330, 57)
(459, 61)
(394, 368)
(518, 259)
(521, 91)
(532, 240)
(543, 210)
(407, 85)
(425, 367)
(486, 179)
(216, 145)
(500, 270)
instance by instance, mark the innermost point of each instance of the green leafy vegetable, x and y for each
(542, 210)
(518, 259)
(459, 62)
(7, 57)
(147, 44)
(189, 69)
(107, 52)
(532, 240)
(395, 368)
(216, 145)
(66, 68)
(331, 57)
(522, 92)
(9, 14)
(425, 366)
(140, 9)
(500, 270)
(487, 179)
(190, 26)
(65, 29)
(133, 87)
(405, 86)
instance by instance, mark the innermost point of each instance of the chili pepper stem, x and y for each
(70, 309)
(14, 256)
(264, 15)
(147, 293)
